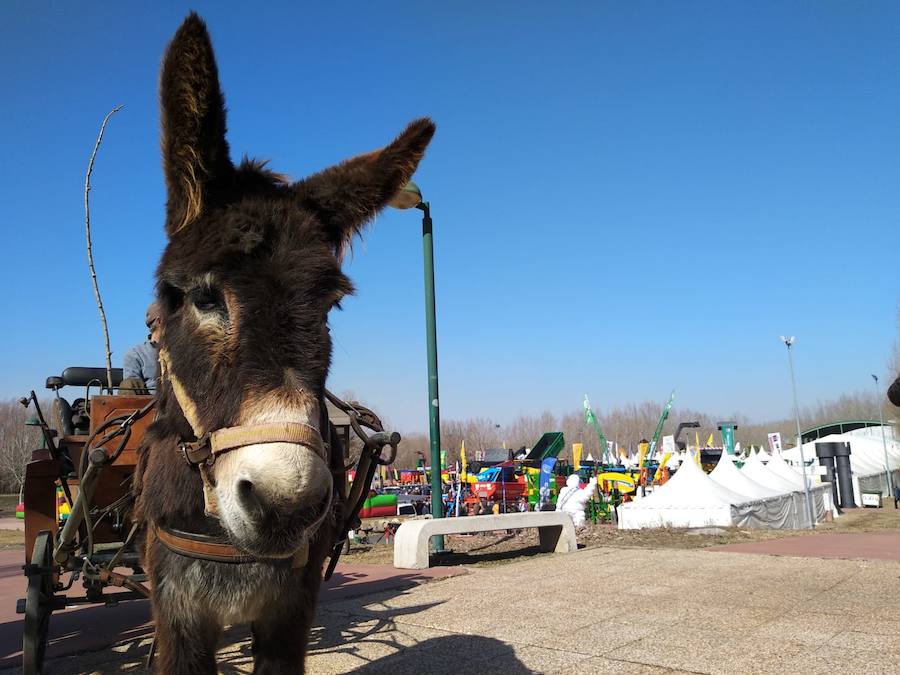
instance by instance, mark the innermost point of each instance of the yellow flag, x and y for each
(697, 439)
(662, 464)
(576, 454)
(462, 459)
(710, 440)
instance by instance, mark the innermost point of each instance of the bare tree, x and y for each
(87, 234)
(17, 441)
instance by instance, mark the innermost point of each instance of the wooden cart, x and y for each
(89, 455)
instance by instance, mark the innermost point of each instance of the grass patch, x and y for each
(12, 539)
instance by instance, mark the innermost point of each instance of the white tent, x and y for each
(691, 499)
(757, 471)
(728, 475)
(776, 508)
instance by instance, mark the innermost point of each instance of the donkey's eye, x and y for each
(207, 300)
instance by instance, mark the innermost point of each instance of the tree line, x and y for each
(628, 424)
(625, 425)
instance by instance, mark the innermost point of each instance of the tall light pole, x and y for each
(887, 467)
(411, 197)
(788, 342)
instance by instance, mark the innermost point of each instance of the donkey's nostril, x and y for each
(245, 488)
(248, 495)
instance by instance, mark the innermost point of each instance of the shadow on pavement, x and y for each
(346, 642)
(449, 655)
(81, 638)
(80, 629)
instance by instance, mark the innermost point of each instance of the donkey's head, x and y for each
(250, 272)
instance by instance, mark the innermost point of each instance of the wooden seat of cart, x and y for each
(42, 475)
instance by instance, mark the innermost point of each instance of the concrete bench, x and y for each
(411, 543)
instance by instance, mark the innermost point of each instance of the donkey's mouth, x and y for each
(274, 533)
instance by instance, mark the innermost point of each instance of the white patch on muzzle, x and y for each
(272, 486)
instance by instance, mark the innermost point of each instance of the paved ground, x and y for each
(603, 610)
(866, 546)
(94, 627)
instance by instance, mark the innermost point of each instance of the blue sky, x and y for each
(628, 197)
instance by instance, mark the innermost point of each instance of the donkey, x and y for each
(233, 486)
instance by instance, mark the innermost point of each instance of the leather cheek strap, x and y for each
(296, 433)
(222, 440)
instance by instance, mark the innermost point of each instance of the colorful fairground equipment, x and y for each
(534, 478)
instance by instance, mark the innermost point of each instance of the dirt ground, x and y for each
(489, 548)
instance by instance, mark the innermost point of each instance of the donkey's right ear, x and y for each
(195, 152)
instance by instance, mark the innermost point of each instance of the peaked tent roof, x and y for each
(780, 468)
(729, 476)
(690, 488)
(755, 470)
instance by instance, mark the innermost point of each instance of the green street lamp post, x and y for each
(411, 197)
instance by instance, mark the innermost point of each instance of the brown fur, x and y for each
(250, 272)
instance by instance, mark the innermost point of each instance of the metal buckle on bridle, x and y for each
(203, 445)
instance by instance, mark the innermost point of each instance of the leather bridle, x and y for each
(201, 453)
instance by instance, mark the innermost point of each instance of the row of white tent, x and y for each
(757, 495)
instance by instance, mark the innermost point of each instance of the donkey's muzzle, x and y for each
(272, 495)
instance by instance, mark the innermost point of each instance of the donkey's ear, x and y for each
(345, 197)
(195, 152)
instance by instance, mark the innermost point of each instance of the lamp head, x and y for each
(408, 197)
(787, 340)
(875, 377)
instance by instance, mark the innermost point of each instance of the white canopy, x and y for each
(756, 471)
(779, 467)
(766, 474)
(729, 476)
(692, 499)
(776, 509)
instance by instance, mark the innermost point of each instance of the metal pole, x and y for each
(809, 505)
(887, 466)
(434, 418)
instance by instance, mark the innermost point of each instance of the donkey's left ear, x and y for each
(345, 197)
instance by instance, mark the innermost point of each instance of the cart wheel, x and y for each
(38, 605)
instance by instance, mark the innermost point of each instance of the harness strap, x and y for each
(230, 438)
(222, 440)
(217, 549)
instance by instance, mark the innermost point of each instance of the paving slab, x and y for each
(81, 628)
(611, 610)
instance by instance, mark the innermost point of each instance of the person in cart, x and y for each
(140, 367)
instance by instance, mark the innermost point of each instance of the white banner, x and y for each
(668, 444)
(775, 442)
